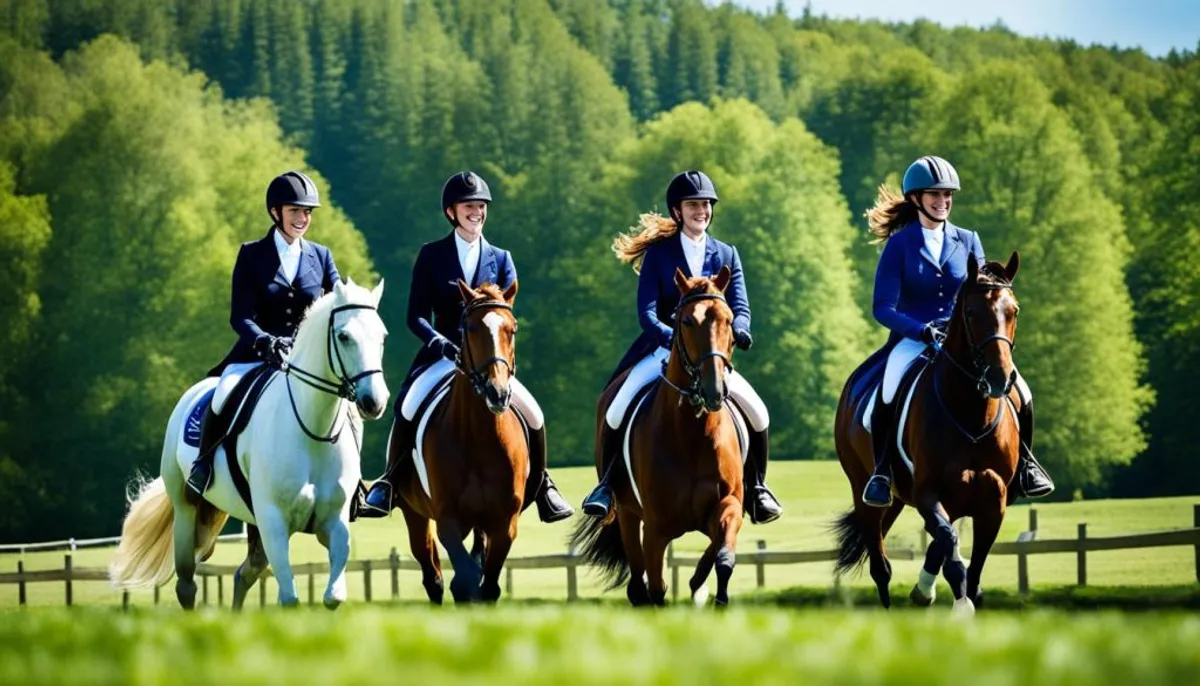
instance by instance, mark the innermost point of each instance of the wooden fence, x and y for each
(1026, 544)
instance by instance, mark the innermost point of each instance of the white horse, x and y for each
(300, 455)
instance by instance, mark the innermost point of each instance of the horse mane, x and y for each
(311, 335)
(992, 274)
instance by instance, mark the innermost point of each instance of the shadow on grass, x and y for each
(1127, 598)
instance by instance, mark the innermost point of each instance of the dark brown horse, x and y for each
(962, 437)
(476, 457)
(685, 458)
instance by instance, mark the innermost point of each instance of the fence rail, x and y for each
(1026, 544)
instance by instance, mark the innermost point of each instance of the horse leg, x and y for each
(654, 547)
(499, 543)
(274, 530)
(251, 569)
(874, 523)
(944, 547)
(631, 540)
(478, 546)
(704, 566)
(185, 553)
(992, 498)
(335, 536)
(729, 523)
(420, 541)
(467, 575)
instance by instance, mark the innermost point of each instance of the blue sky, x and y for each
(1154, 25)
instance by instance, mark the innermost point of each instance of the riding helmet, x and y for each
(930, 173)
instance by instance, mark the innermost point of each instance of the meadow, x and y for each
(813, 493)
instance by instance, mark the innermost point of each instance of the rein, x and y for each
(692, 392)
(477, 374)
(343, 388)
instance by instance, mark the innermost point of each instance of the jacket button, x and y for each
(291, 294)
(288, 310)
(941, 309)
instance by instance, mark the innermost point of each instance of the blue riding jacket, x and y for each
(435, 304)
(263, 302)
(657, 295)
(911, 288)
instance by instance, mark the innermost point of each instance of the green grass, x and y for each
(596, 644)
(813, 493)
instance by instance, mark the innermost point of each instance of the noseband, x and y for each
(342, 388)
(978, 366)
(477, 374)
(692, 391)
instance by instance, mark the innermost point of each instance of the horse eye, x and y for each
(688, 321)
(343, 337)
(970, 314)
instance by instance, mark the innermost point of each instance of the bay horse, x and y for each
(684, 455)
(963, 439)
(301, 464)
(475, 456)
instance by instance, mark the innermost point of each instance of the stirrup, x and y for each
(875, 479)
(598, 503)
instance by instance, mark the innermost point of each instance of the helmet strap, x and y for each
(920, 203)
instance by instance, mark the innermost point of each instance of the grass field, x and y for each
(556, 644)
(813, 493)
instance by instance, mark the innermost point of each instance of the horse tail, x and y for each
(144, 556)
(852, 543)
(599, 541)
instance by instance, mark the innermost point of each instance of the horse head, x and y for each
(489, 330)
(703, 338)
(980, 336)
(354, 346)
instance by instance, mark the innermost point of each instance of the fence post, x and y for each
(156, 592)
(68, 566)
(312, 588)
(1196, 523)
(394, 565)
(674, 572)
(1081, 556)
(21, 580)
(1033, 520)
(220, 590)
(262, 591)
(367, 580)
(204, 589)
(760, 566)
(508, 581)
(572, 588)
(124, 600)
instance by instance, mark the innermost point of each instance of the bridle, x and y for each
(978, 366)
(343, 388)
(477, 373)
(692, 392)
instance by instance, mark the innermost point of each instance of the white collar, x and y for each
(463, 244)
(285, 248)
(696, 242)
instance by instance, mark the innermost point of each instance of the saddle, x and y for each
(227, 426)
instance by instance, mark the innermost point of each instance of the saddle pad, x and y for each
(195, 418)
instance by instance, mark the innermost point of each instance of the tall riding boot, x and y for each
(878, 492)
(760, 501)
(1032, 479)
(552, 507)
(600, 500)
(211, 433)
(380, 498)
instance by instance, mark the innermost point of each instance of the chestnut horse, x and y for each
(684, 454)
(962, 436)
(475, 454)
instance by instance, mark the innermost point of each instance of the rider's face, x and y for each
(294, 221)
(938, 203)
(470, 217)
(696, 215)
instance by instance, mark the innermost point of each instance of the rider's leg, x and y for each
(878, 492)
(1032, 480)
(552, 507)
(213, 428)
(760, 502)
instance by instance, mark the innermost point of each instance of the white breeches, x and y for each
(648, 368)
(230, 377)
(425, 382)
(901, 358)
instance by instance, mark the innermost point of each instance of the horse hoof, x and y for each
(963, 608)
(978, 599)
(700, 596)
(920, 599)
(332, 603)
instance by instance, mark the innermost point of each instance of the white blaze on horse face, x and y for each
(494, 321)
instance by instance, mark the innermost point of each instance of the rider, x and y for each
(275, 279)
(662, 245)
(435, 310)
(924, 262)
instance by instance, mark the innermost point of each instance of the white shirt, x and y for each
(693, 252)
(468, 257)
(289, 255)
(934, 239)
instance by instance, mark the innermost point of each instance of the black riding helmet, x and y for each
(465, 186)
(690, 185)
(292, 188)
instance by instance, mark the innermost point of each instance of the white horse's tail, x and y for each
(145, 555)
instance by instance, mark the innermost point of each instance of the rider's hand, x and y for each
(932, 335)
(446, 349)
(742, 339)
(283, 346)
(264, 346)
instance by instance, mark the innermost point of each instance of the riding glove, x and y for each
(742, 339)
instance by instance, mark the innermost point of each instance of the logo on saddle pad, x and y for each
(195, 419)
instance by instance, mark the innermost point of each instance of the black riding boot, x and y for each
(552, 507)
(211, 433)
(380, 498)
(1032, 479)
(878, 492)
(761, 503)
(599, 502)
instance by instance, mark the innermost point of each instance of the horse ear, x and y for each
(377, 292)
(1014, 263)
(467, 294)
(681, 281)
(349, 281)
(339, 290)
(722, 280)
(972, 270)
(511, 293)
